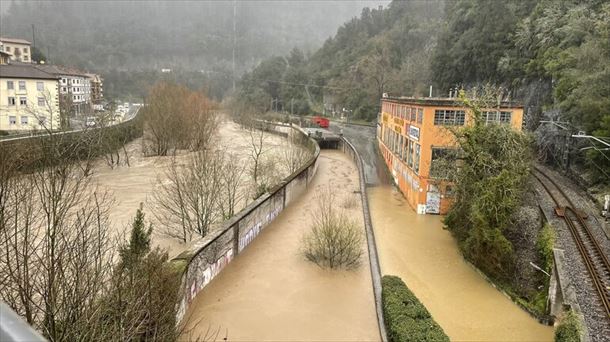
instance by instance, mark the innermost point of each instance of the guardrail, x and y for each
(208, 257)
(14, 329)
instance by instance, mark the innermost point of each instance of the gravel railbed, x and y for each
(598, 324)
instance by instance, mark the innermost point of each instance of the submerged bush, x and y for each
(406, 318)
(335, 241)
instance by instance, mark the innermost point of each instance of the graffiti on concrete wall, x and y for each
(256, 228)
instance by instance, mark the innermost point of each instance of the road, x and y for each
(363, 139)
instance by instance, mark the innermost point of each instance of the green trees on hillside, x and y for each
(523, 44)
(385, 50)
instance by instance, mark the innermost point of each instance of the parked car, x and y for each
(320, 121)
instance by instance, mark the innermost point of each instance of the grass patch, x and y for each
(406, 318)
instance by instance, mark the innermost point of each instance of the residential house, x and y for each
(74, 88)
(29, 98)
(18, 49)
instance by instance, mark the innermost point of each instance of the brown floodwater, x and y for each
(135, 184)
(271, 293)
(418, 249)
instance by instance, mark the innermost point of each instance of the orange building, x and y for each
(412, 133)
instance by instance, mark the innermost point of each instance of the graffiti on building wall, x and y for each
(200, 280)
(256, 228)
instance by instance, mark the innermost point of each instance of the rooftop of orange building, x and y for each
(442, 101)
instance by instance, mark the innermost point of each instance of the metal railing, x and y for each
(14, 329)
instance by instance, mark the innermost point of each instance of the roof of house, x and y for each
(60, 70)
(14, 40)
(442, 101)
(24, 71)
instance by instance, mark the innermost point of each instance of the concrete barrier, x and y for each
(349, 149)
(205, 260)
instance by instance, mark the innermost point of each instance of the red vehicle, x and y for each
(320, 121)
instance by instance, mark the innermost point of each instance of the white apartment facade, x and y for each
(29, 99)
(74, 87)
(18, 49)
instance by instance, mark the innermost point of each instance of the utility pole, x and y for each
(33, 37)
(234, 38)
(291, 106)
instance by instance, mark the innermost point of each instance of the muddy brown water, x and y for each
(271, 293)
(418, 249)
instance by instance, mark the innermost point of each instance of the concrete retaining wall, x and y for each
(209, 256)
(350, 150)
(33, 151)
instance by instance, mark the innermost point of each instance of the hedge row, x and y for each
(406, 318)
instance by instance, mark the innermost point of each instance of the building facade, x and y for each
(413, 133)
(74, 88)
(18, 49)
(29, 99)
(97, 88)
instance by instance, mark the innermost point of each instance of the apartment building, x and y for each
(74, 87)
(413, 133)
(18, 49)
(29, 98)
(97, 88)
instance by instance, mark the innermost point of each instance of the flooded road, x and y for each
(426, 257)
(271, 293)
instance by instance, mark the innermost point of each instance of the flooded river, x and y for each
(271, 293)
(426, 257)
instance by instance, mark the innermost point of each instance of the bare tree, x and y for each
(232, 185)
(294, 154)
(178, 118)
(56, 252)
(188, 201)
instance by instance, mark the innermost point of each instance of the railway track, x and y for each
(593, 256)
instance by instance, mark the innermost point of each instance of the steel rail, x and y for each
(593, 256)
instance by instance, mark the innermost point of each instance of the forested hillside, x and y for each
(553, 56)
(191, 36)
(385, 50)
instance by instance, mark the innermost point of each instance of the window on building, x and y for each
(420, 115)
(25, 50)
(23, 101)
(21, 85)
(416, 157)
(449, 117)
(63, 89)
(497, 117)
(11, 101)
(413, 114)
(10, 85)
(8, 49)
(42, 121)
(40, 86)
(41, 102)
(63, 81)
(24, 120)
(12, 120)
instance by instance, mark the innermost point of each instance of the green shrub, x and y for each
(406, 318)
(544, 245)
(568, 329)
